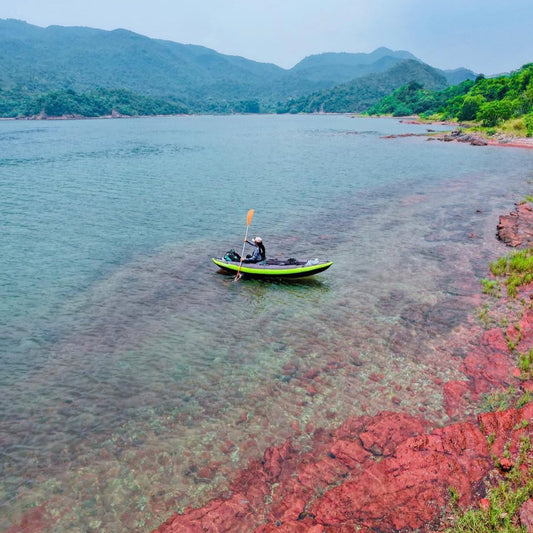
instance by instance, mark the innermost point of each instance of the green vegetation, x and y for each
(505, 102)
(517, 268)
(361, 93)
(504, 501)
(499, 400)
(95, 103)
(491, 287)
(38, 66)
(414, 99)
(525, 364)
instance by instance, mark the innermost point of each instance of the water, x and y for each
(135, 378)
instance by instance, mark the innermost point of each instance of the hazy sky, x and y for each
(487, 36)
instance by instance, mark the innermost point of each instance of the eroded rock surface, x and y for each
(516, 228)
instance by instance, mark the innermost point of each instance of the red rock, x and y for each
(526, 331)
(274, 458)
(227, 447)
(312, 391)
(385, 495)
(488, 370)
(505, 464)
(36, 520)
(511, 424)
(495, 340)
(311, 374)
(527, 386)
(454, 393)
(484, 504)
(516, 229)
(388, 472)
(339, 486)
(526, 515)
(350, 453)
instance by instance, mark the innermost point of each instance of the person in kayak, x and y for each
(259, 252)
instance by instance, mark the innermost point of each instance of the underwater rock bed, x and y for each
(392, 471)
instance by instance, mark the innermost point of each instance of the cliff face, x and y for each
(391, 472)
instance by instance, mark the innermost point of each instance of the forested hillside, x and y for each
(490, 102)
(361, 93)
(82, 71)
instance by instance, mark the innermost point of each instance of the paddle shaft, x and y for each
(249, 217)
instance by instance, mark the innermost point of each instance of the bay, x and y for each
(136, 379)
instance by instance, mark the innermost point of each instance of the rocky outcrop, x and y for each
(384, 473)
(462, 137)
(516, 228)
(390, 472)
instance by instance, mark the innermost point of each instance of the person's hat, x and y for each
(258, 239)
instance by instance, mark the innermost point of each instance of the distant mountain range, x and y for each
(39, 60)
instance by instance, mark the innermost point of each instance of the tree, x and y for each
(470, 107)
(492, 113)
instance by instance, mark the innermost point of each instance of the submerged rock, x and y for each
(388, 472)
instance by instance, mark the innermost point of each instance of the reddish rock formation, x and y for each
(389, 472)
(383, 473)
(526, 515)
(516, 228)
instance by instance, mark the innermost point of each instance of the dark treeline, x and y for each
(97, 103)
(107, 102)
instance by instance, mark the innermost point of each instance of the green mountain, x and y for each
(360, 94)
(81, 59)
(117, 65)
(335, 68)
(504, 102)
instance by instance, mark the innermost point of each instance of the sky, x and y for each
(486, 36)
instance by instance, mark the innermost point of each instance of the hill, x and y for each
(504, 102)
(361, 93)
(36, 61)
(335, 68)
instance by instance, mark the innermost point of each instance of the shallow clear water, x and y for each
(135, 378)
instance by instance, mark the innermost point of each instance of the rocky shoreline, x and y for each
(390, 472)
(516, 228)
(468, 137)
(480, 140)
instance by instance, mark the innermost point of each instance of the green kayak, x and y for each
(274, 268)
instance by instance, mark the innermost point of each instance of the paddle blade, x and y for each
(249, 217)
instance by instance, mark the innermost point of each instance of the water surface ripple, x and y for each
(135, 378)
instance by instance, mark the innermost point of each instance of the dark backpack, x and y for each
(232, 255)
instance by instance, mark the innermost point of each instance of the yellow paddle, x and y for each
(249, 217)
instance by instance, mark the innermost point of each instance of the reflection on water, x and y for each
(147, 378)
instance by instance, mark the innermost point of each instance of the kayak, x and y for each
(274, 268)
